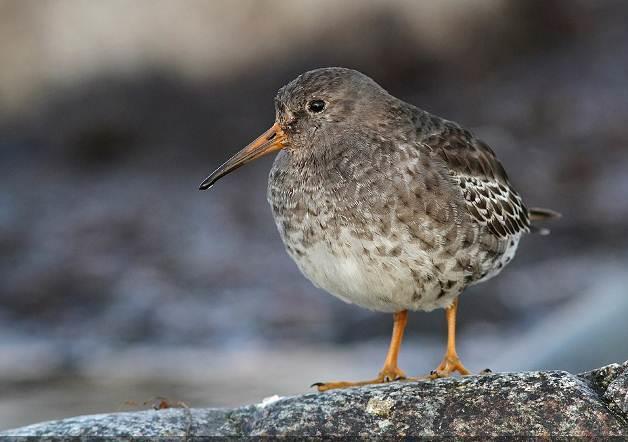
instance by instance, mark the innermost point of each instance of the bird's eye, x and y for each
(316, 106)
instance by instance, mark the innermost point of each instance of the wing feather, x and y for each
(489, 197)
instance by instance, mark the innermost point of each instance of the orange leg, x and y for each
(391, 371)
(451, 361)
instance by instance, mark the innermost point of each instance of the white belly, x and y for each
(386, 283)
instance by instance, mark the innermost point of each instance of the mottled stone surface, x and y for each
(524, 404)
(617, 394)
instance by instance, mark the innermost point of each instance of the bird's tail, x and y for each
(539, 214)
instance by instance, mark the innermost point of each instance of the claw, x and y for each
(437, 374)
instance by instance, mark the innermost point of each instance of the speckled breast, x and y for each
(379, 244)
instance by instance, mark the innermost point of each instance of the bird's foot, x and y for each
(449, 365)
(388, 374)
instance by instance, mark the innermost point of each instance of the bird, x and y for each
(385, 205)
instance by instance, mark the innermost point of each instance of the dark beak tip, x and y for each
(206, 184)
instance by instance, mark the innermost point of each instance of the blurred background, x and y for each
(121, 282)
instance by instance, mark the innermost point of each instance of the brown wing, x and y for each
(489, 197)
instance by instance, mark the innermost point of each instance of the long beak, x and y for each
(270, 141)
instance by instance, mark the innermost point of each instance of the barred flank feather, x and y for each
(490, 199)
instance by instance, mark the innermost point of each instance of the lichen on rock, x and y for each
(552, 403)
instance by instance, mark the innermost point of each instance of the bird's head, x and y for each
(318, 105)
